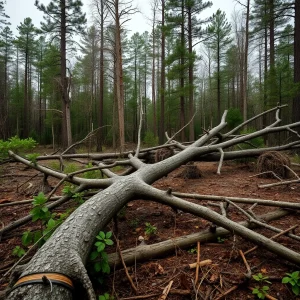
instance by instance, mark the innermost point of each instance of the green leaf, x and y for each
(39, 199)
(105, 267)
(27, 238)
(102, 235)
(296, 290)
(97, 267)
(45, 209)
(285, 279)
(109, 235)
(109, 242)
(51, 224)
(94, 255)
(100, 246)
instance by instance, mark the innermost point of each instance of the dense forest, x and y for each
(64, 79)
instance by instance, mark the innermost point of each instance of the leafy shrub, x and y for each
(234, 118)
(17, 145)
(150, 140)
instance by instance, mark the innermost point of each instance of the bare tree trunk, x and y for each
(64, 82)
(245, 105)
(153, 70)
(191, 77)
(100, 9)
(163, 76)
(119, 78)
(296, 101)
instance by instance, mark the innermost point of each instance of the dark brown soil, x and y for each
(227, 270)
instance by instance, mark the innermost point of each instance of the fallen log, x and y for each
(146, 252)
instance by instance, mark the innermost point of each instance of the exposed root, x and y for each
(275, 162)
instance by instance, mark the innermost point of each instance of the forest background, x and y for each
(75, 73)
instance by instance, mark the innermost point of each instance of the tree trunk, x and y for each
(66, 138)
(191, 77)
(296, 101)
(119, 79)
(163, 77)
(245, 105)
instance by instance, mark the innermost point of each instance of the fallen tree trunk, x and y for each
(146, 252)
(67, 250)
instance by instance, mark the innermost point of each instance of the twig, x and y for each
(166, 291)
(227, 292)
(279, 183)
(89, 135)
(248, 275)
(125, 268)
(267, 172)
(201, 263)
(172, 137)
(198, 263)
(140, 297)
(56, 187)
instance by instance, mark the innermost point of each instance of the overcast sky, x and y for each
(18, 10)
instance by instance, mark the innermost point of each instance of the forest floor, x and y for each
(151, 277)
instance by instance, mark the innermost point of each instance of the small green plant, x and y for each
(79, 197)
(99, 256)
(221, 240)
(68, 189)
(262, 290)
(150, 229)
(32, 157)
(40, 210)
(18, 251)
(294, 280)
(106, 296)
(193, 250)
(261, 278)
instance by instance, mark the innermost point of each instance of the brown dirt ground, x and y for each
(153, 276)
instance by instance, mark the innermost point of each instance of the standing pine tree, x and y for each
(63, 19)
(6, 37)
(27, 46)
(218, 41)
